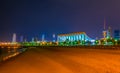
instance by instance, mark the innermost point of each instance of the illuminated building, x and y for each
(33, 39)
(109, 36)
(104, 31)
(74, 37)
(43, 37)
(117, 34)
(14, 38)
(21, 39)
(53, 37)
(104, 34)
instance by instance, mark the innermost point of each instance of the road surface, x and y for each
(63, 60)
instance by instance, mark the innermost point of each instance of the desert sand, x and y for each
(63, 60)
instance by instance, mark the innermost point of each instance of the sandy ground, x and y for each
(63, 60)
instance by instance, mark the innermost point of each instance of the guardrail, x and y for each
(83, 46)
(7, 53)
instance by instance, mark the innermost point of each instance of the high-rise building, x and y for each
(117, 34)
(33, 40)
(43, 37)
(14, 38)
(53, 37)
(109, 33)
(104, 30)
(21, 39)
(104, 34)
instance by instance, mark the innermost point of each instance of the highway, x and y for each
(63, 60)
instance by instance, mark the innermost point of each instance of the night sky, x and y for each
(32, 18)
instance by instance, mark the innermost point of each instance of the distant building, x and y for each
(78, 36)
(117, 34)
(53, 37)
(14, 38)
(43, 37)
(33, 40)
(109, 33)
(21, 38)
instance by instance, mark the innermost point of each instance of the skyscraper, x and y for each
(43, 37)
(104, 30)
(117, 34)
(21, 38)
(109, 33)
(33, 40)
(53, 37)
(14, 38)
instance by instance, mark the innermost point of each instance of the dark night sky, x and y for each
(32, 18)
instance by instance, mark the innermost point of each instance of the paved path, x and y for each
(63, 60)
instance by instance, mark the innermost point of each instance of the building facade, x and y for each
(117, 34)
(72, 37)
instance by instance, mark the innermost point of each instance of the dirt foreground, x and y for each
(63, 60)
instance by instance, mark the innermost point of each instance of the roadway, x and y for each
(63, 60)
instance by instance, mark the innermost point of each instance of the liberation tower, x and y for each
(104, 30)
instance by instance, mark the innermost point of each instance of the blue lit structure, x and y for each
(72, 37)
(117, 34)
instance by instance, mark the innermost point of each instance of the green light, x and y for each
(116, 40)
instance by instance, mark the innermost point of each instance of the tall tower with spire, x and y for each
(104, 30)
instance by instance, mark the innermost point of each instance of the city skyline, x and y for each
(60, 36)
(34, 18)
